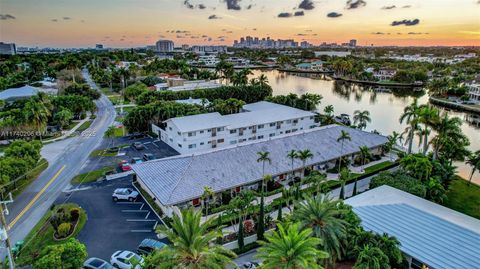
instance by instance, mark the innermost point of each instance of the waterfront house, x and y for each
(179, 84)
(473, 87)
(178, 182)
(384, 74)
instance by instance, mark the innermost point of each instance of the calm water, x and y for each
(385, 107)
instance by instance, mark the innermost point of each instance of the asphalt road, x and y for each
(29, 207)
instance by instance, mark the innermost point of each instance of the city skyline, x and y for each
(126, 23)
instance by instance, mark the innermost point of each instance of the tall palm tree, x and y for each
(207, 193)
(322, 215)
(263, 157)
(410, 116)
(262, 80)
(361, 118)
(364, 152)
(428, 116)
(474, 162)
(372, 258)
(448, 130)
(192, 245)
(292, 155)
(291, 248)
(328, 109)
(304, 155)
(110, 133)
(343, 178)
(344, 135)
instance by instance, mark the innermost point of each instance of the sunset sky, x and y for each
(131, 23)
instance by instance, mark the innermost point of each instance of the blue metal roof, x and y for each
(423, 236)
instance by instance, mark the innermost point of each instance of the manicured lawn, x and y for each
(42, 235)
(464, 198)
(91, 176)
(84, 126)
(29, 177)
(378, 166)
(125, 109)
(103, 153)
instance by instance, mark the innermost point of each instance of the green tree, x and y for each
(372, 258)
(192, 245)
(110, 133)
(410, 116)
(291, 248)
(304, 155)
(344, 135)
(63, 117)
(263, 157)
(323, 217)
(37, 113)
(240, 205)
(474, 162)
(343, 178)
(206, 196)
(68, 255)
(428, 116)
(292, 155)
(361, 118)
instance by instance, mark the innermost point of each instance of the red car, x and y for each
(125, 166)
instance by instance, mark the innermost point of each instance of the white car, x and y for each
(96, 263)
(124, 259)
(124, 194)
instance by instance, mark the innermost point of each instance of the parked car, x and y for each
(136, 160)
(136, 136)
(148, 245)
(96, 263)
(125, 166)
(250, 265)
(125, 259)
(138, 146)
(148, 157)
(124, 194)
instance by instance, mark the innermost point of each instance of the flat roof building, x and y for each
(8, 48)
(208, 131)
(164, 46)
(178, 182)
(431, 235)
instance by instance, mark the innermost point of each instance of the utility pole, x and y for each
(4, 229)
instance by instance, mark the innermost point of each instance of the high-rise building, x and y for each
(8, 48)
(352, 43)
(99, 46)
(164, 46)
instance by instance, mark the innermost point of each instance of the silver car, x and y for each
(96, 263)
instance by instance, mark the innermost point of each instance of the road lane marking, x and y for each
(30, 204)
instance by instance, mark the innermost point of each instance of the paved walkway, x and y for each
(67, 133)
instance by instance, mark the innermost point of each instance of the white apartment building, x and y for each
(8, 48)
(474, 89)
(164, 46)
(208, 60)
(257, 121)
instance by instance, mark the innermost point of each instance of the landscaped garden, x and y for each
(464, 197)
(56, 227)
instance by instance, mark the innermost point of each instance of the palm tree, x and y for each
(343, 178)
(410, 115)
(207, 193)
(364, 154)
(322, 215)
(263, 158)
(192, 245)
(110, 133)
(344, 135)
(474, 162)
(361, 118)
(262, 80)
(37, 113)
(392, 141)
(428, 116)
(291, 248)
(304, 155)
(292, 155)
(328, 110)
(448, 130)
(372, 258)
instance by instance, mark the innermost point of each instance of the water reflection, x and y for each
(384, 104)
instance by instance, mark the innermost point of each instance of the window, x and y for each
(260, 126)
(170, 128)
(202, 131)
(311, 117)
(233, 131)
(209, 142)
(288, 131)
(209, 130)
(272, 124)
(242, 140)
(260, 137)
(191, 134)
(289, 121)
(179, 133)
(233, 142)
(192, 146)
(179, 145)
(294, 130)
(221, 140)
(250, 128)
(295, 121)
(171, 140)
(202, 143)
(220, 129)
(271, 135)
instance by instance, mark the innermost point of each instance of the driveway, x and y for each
(112, 226)
(158, 149)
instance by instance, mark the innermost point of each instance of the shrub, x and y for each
(58, 218)
(248, 226)
(74, 214)
(64, 229)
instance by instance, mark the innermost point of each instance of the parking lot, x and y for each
(151, 146)
(112, 226)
